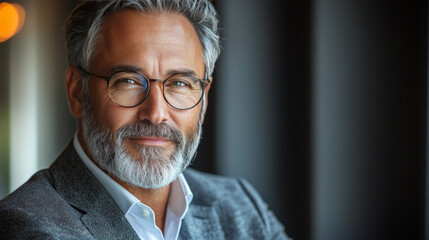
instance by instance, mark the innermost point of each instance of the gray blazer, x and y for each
(67, 202)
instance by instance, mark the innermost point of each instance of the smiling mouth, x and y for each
(150, 141)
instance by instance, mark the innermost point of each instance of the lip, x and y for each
(150, 141)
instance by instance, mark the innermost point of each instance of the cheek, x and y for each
(187, 121)
(108, 114)
(98, 92)
(114, 117)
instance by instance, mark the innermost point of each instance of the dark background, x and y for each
(321, 105)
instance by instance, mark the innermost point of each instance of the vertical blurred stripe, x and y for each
(23, 105)
(370, 119)
(40, 122)
(427, 137)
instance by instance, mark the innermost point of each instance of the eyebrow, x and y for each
(185, 71)
(133, 68)
(125, 68)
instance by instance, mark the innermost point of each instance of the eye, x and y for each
(178, 83)
(124, 83)
(127, 81)
(182, 83)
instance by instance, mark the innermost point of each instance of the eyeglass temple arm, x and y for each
(92, 74)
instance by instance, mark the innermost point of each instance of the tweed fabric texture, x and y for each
(67, 202)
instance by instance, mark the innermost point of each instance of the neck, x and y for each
(156, 199)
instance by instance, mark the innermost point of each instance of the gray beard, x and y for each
(153, 168)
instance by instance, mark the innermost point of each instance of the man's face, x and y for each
(156, 45)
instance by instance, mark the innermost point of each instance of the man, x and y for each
(139, 75)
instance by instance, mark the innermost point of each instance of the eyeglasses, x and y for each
(129, 89)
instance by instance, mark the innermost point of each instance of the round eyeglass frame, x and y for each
(203, 82)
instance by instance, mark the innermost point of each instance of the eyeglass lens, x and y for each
(180, 91)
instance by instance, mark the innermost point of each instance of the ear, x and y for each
(74, 91)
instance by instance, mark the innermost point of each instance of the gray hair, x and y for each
(83, 25)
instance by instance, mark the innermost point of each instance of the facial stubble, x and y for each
(152, 167)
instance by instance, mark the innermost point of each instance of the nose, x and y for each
(154, 108)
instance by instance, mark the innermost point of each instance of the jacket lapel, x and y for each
(101, 215)
(202, 222)
(203, 219)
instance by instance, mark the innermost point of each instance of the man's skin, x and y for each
(158, 45)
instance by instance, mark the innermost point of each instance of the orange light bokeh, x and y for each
(12, 17)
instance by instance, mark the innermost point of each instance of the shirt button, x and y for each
(146, 213)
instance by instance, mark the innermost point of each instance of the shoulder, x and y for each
(36, 189)
(21, 208)
(35, 210)
(241, 208)
(217, 187)
(213, 187)
(210, 184)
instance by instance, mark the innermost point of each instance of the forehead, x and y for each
(130, 36)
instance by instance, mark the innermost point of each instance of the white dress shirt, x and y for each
(140, 216)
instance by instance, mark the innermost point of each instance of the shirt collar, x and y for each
(179, 198)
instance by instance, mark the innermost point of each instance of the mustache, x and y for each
(161, 130)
